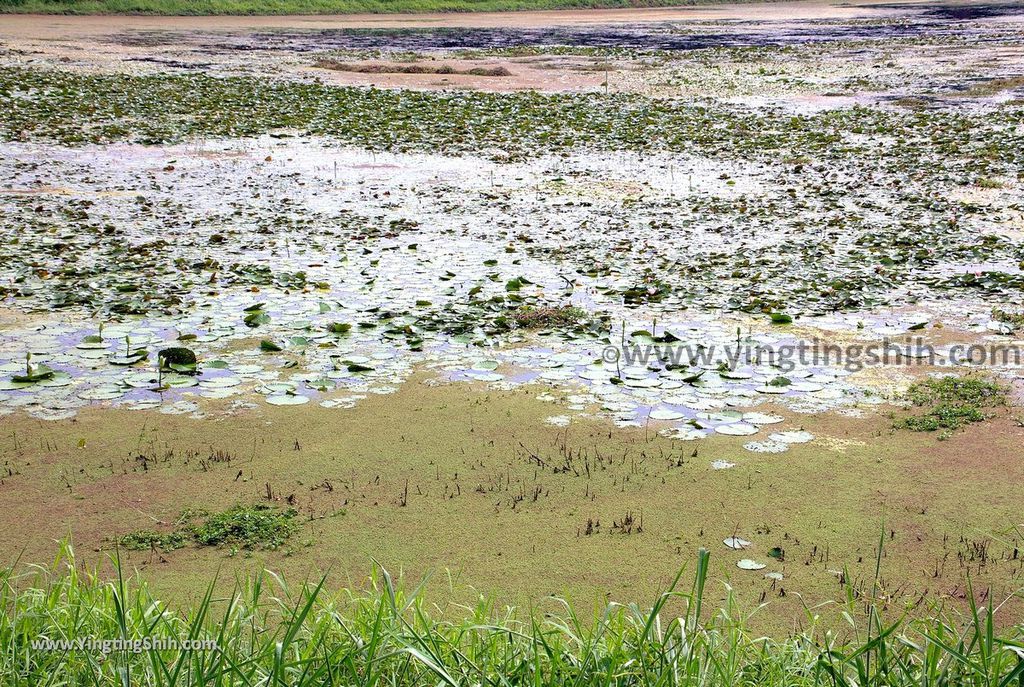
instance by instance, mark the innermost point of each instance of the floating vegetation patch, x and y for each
(74, 108)
(544, 317)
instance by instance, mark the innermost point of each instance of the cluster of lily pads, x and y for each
(306, 265)
(740, 544)
(76, 108)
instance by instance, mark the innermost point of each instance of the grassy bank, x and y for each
(263, 7)
(268, 633)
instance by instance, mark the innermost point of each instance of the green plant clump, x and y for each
(1015, 319)
(952, 402)
(259, 526)
(542, 317)
(250, 527)
(144, 540)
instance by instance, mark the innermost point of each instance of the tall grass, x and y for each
(269, 633)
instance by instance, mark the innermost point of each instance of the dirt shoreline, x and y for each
(299, 47)
(47, 26)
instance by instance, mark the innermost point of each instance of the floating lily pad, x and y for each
(737, 429)
(125, 360)
(142, 380)
(287, 400)
(685, 433)
(102, 393)
(33, 374)
(220, 382)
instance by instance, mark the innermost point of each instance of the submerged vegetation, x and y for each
(951, 402)
(268, 632)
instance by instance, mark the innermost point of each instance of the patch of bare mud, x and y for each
(496, 74)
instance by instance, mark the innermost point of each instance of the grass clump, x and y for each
(545, 316)
(951, 402)
(267, 632)
(250, 527)
(985, 182)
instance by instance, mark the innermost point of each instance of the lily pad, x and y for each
(737, 429)
(287, 400)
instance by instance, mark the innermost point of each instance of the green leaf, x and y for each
(34, 374)
(255, 319)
